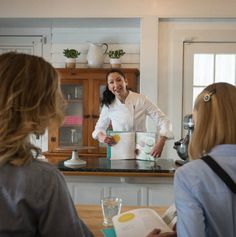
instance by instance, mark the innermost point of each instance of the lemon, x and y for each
(116, 138)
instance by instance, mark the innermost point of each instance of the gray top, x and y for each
(35, 201)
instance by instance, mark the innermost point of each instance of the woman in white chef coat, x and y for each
(126, 111)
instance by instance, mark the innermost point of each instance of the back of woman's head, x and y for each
(30, 100)
(215, 116)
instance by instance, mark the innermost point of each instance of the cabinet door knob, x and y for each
(95, 116)
(53, 139)
(87, 116)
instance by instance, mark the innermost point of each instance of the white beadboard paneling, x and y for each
(97, 35)
(58, 48)
(127, 58)
(24, 31)
(117, 35)
(128, 48)
(77, 33)
(132, 55)
(95, 29)
(70, 22)
(105, 65)
(98, 22)
(83, 47)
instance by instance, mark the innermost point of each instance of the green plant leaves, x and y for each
(71, 53)
(116, 53)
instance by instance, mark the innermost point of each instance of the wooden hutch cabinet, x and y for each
(82, 89)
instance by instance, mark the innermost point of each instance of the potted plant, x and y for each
(115, 56)
(71, 55)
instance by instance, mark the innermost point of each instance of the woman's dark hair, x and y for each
(108, 97)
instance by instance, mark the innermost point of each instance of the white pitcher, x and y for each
(96, 54)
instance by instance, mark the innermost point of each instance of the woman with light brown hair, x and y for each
(34, 199)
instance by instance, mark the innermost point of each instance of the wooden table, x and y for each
(92, 216)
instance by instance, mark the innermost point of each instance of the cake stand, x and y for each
(75, 160)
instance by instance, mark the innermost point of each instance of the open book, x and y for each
(132, 145)
(140, 222)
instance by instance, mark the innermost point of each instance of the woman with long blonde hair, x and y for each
(34, 199)
(205, 188)
(205, 201)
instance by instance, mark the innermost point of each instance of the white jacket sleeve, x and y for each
(162, 122)
(102, 123)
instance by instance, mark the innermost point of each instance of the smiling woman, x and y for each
(126, 111)
(117, 84)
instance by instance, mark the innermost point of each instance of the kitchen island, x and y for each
(128, 168)
(139, 183)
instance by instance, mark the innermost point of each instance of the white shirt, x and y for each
(131, 116)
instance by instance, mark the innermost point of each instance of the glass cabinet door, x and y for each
(71, 132)
(98, 89)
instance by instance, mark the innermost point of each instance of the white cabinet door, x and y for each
(133, 191)
(160, 195)
(88, 193)
(131, 194)
(24, 44)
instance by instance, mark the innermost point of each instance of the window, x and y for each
(204, 64)
(211, 68)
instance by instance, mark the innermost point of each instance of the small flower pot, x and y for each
(115, 62)
(70, 62)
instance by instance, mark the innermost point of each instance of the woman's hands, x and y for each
(104, 138)
(157, 233)
(157, 149)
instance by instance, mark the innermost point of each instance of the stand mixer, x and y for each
(181, 146)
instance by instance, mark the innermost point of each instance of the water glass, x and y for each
(111, 206)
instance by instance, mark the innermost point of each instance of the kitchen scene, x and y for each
(167, 51)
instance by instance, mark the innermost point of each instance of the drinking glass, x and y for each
(111, 206)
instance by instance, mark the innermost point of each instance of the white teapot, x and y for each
(96, 54)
